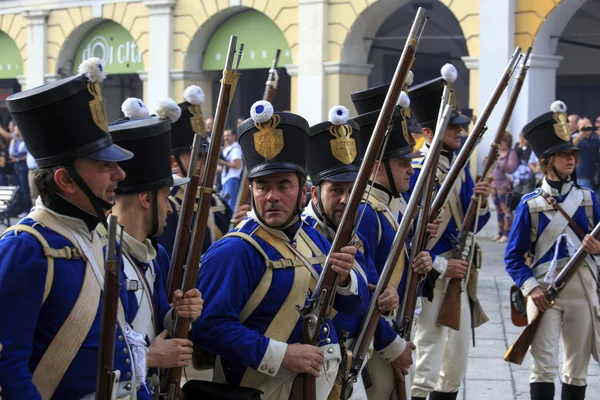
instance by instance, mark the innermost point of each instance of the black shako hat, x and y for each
(273, 142)
(549, 133)
(191, 122)
(335, 151)
(150, 139)
(369, 103)
(66, 120)
(425, 99)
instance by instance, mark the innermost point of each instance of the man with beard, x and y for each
(183, 132)
(52, 263)
(273, 256)
(142, 206)
(442, 353)
(378, 226)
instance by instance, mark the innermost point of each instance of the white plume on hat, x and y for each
(93, 70)
(261, 111)
(449, 73)
(194, 95)
(410, 78)
(558, 106)
(166, 108)
(134, 108)
(338, 115)
(403, 100)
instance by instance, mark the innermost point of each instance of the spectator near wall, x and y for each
(18, 155)
(523, 179)
(231, 167)
(507, 164)
(589, 147)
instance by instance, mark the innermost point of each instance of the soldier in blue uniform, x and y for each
(142, 206)
(183, 131)
(333, 164)
(253, 278)
(51, 269)
(442, 353)
(382, 209)
(551, 239)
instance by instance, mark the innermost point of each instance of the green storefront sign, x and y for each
(260, 36)
(11, 64)
(115, 46)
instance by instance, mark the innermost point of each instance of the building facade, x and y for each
(330, 48)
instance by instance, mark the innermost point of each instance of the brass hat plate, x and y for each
(97, 106)
(268, 141)
(343, 147)
(561, 126)
(197, 120)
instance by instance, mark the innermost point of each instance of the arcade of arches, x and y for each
(330, 48)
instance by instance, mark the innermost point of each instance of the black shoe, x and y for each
(542, 390)
(572, 392)
(442, 395)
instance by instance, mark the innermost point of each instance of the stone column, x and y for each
(312, 53)
(292, 71)
(344, 79)
(495, 48)
(160, 48)
(472, 64)
(36, 47)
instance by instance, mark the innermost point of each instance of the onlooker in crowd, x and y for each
(507, 164)
(597, 124)
(534, 164)
(523, 179)
(18, 155)
(208, 126)
(32, 167)
(9, 170)
(239, 121)
(3, 175)
(573, 120)
(231, 167)
(589, 149)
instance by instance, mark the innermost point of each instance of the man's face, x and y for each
(228, 137)
(334, 197)
(573, 118)
(564, 162)
(585, 123)
(402, 170)
(597, 123)
(164, 209)
(275, 197)
(101, 177)
(451, 138)
(11, 126)
(208, 124)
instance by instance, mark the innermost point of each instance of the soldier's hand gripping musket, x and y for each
(450, 312)
(228, 83)
(108, 377)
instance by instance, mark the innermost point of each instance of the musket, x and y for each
(321, 299)
(108, 378)
(517, 352)
(228, 83)
(269, 95)
(450, 312)
(404, 320)
(370, 321)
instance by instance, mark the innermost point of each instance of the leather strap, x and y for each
(551, 201)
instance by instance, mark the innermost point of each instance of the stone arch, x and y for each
(15, 26)
(68, 27)
(350, 22)
(194, 26)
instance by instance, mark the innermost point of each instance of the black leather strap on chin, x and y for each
(321, 210)
(100, 206)
(154, 228)
(390, 177)
(182, 170)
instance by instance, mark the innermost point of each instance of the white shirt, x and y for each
(231, 153)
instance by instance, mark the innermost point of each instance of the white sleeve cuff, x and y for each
(440, 264)
(273, 358)
(168, 323)
(484, 210)
(351, 289)
(393, 350)
(529, 285)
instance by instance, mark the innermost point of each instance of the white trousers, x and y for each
(442, 353)
(571, 316)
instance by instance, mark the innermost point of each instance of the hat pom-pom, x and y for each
(558, 106)
(93, 70)
(261, 111)
(449, 73)
(410, 78)
(194, 95)
(403, 100)
(166, 108)
(134, 108)
(339, 115)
